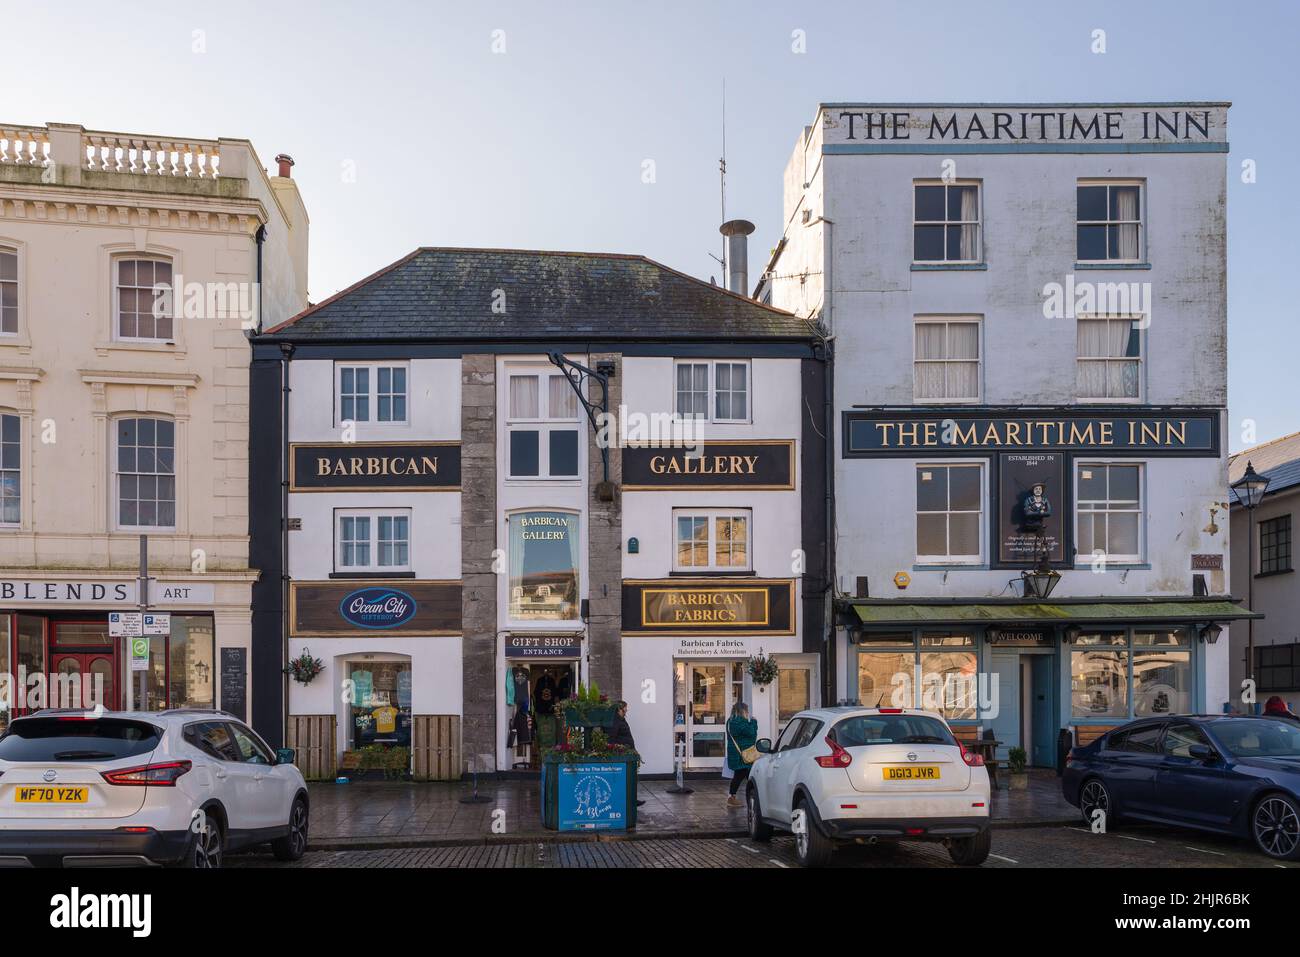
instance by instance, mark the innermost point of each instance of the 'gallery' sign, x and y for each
(754, 465)
(745, 606)
(359, 466)
(1190, 432)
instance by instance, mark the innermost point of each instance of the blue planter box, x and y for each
(589, 795)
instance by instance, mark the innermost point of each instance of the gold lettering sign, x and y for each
(1193, 435)
(686, 607)
(431, 466)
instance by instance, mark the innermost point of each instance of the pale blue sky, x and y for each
(542, 146)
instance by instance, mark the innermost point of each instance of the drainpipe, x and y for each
(260, 238)
(286, 355)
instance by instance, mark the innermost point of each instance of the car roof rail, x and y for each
(200, 711)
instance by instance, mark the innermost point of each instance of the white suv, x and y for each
(866, 775)
(144, 787)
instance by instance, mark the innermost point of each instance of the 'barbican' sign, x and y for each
(1186, 432)
(360, 466)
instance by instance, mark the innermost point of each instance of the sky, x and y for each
(531, 124)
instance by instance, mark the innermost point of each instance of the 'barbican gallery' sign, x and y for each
(1187, 432)
(405, 607)
(360, 466)
(743, 606)
(755, 465)
(914, 125)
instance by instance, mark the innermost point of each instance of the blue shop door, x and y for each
(1006, 723)
(1045, 728)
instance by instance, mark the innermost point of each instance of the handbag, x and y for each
(749, 755)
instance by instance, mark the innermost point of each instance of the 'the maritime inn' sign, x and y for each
(357, 466)
(1186, 432)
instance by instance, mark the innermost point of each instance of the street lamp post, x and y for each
(1249, 490)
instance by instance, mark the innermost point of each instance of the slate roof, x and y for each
(1279, 460)
(448, 294)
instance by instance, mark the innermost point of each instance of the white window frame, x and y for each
(19, 335)
(1141, 220)
(374, 515)
(372, 393)
(711, 404)
(21, 470)
(978, 222)
(712, 516)
(543, 424)
(979, 360)
(115, 265)
(982, 513)
(1140, 358)
(116, 502)
(1080, 557)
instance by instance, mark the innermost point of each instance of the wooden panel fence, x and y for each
(435, 747)
(312, 736)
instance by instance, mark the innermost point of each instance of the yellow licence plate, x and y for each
(912, 772)
(51, 795)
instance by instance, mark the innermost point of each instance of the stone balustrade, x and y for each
(101, 152)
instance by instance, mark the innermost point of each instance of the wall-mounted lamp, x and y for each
(1210, 632)
(1071, 634)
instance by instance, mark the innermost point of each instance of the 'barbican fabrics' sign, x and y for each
(1186, 432)
(742, 605)
(359, 466)
(763, 464)
(403, 607)
(913, 126)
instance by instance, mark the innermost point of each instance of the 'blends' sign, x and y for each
(748, 606)
(405, 607)
(1191, 432)
(353, 466)
(754, 465)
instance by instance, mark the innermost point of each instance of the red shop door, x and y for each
(82, 680)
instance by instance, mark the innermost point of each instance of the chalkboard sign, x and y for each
(234, 681)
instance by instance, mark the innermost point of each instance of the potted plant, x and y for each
(304, 668)
(1018, 779)
(587, 709)
(393, 763)
(762, 669)
(589, 784)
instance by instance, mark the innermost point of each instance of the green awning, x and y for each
(1101, 612)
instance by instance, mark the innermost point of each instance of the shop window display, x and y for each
(381, 703)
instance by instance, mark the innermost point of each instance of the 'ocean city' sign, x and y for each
(405, 607)
(377, 608)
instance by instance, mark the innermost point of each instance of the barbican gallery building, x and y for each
(509, 473)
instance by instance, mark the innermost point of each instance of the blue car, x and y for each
(1229, 774)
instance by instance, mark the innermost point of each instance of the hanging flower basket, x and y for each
(304, 668)
(762, 669)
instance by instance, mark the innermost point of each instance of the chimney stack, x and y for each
(737, 254)
(286, 164)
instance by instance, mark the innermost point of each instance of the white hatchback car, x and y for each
(120, 788)
(864, 775)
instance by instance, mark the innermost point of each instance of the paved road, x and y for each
(1024, 847)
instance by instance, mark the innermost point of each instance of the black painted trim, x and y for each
(265, 452)
(812, 505)
(415, 349)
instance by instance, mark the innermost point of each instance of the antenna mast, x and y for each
(722, 183)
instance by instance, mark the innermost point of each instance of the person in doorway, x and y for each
(621, 732)
(742, 733)
(1275, 707)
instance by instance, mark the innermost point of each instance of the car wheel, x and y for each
(971, 851)
(293, 845)
(1094, 797)
(759, 830)
(1275, 826)
(208, 848)
(811, 846)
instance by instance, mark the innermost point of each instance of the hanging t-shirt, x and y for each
(385, 719)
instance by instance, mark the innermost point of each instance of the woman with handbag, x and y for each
(742, 735)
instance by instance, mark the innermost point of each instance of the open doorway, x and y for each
(536, 690)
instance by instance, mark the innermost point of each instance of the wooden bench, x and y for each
(974, 734)
(1085, 734)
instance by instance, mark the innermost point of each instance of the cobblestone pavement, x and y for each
(377, 813)
(1055, 847)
